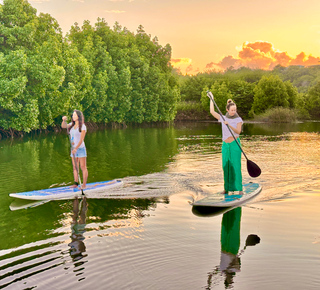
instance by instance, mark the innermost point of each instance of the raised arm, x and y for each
(64, 124)
(213, 112)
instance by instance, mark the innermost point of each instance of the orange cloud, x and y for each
(262, 46)
(282, 58)
(180, 61)
(226, 62)
(184, 65)
(262, 55)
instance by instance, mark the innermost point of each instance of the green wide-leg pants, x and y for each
(231, 163)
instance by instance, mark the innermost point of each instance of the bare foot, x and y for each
(241, 192)
(83, 186)
(74, 186)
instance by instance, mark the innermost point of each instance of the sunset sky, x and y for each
(210, 34)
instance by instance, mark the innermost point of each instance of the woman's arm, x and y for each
(64, 124)
(213, 112)
(235, 130)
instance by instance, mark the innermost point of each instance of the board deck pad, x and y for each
(66, 192)
(250, 190)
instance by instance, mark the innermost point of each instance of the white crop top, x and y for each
(232, 122)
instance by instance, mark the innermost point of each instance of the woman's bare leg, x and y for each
(75, 162)
(83, 165)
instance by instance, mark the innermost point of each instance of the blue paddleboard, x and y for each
(66, 192)
(232, 199)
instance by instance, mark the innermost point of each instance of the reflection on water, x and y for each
(66, 246)
(230, 256)
(230, 244)
(78, 228)
(144, 235)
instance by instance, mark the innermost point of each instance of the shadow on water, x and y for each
(209, 211)
(230, 257)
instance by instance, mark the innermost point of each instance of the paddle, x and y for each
(253, 169)
(251, 240)
(74, 160)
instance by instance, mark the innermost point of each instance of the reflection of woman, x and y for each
(77, 246)
(230, 244)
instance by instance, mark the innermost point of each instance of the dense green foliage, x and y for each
(256, 91)
(114, 75)
(278, 115)
(272, 92)
(111, 74)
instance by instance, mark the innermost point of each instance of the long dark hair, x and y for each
(80, 119)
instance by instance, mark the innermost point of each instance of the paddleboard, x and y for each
(232, 199)
(66, 192)
(18, 204)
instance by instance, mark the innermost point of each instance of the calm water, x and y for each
(149, 236)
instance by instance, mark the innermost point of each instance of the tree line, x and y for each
(255, 91)
(116, 76)
(111, 74)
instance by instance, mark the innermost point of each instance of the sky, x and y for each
(209, 34)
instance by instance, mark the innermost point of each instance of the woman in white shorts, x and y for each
(77, 130)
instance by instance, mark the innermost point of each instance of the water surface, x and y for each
(149, 237)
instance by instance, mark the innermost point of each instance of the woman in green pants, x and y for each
(231, 153)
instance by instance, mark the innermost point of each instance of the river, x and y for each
(148, 236)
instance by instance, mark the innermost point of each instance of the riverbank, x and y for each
(190, 114)
(91, 126)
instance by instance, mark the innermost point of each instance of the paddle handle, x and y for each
(209, 94)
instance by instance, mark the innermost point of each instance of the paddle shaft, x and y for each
(227, 125)
(75, 161)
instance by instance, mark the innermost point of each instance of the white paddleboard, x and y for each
(66, 192)
(232, 199)
(18, 204)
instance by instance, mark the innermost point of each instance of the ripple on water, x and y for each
(143, 246)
